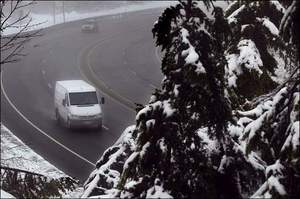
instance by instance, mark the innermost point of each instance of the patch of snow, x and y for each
(157, 192)
(168, 110)
(244, 27)
(274, 169)
(132, 183)
(210, 144)
(130, 159)
(150, 123)
(269, 25)
(230, 6)
(256, 125)
(278, 6)
(281, 74)
(91, 186)
(225, 162)
(249, 55)
(15, 154)
(5, 195)
(184, 35)
(232, 18)
(192, 146)
(273, 182)
(144, 111)
(296, 102)
(296, 137)
(262, 192)
(263, 111)
(144, 149)
(190, 54)
(235, 131)
(232, 70)
(126, 135)
(245, 120)
(175, 90)
(162, 145)
(256, 162)
(165, 105)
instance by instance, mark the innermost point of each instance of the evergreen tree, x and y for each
(226, 122)
(169, 152)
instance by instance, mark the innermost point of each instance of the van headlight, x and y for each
(98, 115)
(74, 116)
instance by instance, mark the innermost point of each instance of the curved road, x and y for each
(120, 60)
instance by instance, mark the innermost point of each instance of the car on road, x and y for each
(89, 26)
(76, 104)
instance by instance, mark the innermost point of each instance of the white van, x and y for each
(76, 104)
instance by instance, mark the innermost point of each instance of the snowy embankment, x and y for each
(15, 154)
(39, 21)
(4, 194)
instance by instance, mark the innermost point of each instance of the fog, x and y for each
(48, 13)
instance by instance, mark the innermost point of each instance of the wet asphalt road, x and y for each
(122, 56)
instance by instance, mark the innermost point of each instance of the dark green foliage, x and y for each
(169, 152)
(198, 137)
(249, 24)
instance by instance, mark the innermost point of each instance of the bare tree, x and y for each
(15, 17)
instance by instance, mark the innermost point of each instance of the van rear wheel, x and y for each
(57, 116)
(69, 126)
(99, 127)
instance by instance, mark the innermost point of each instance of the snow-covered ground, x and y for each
(5, 195)
(15, 154)
(42, 21)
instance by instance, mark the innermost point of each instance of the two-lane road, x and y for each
(121, 60)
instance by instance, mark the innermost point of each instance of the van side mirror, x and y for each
(64, 102)
(102, 100)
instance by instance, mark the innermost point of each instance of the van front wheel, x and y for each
(69, 126)
(99, 127)
(57, 116)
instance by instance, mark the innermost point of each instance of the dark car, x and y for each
(89, 26)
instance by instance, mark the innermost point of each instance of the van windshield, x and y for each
(86, 98)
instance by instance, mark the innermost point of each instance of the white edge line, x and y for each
(91, 48)
(152, 86)
(37, 128)
(105, 127)
(157, 56)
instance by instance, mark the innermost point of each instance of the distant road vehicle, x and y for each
(89, 26)
(77, 105)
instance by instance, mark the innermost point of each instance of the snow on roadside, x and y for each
(43, 21)
(15, 154)
(4, 194)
